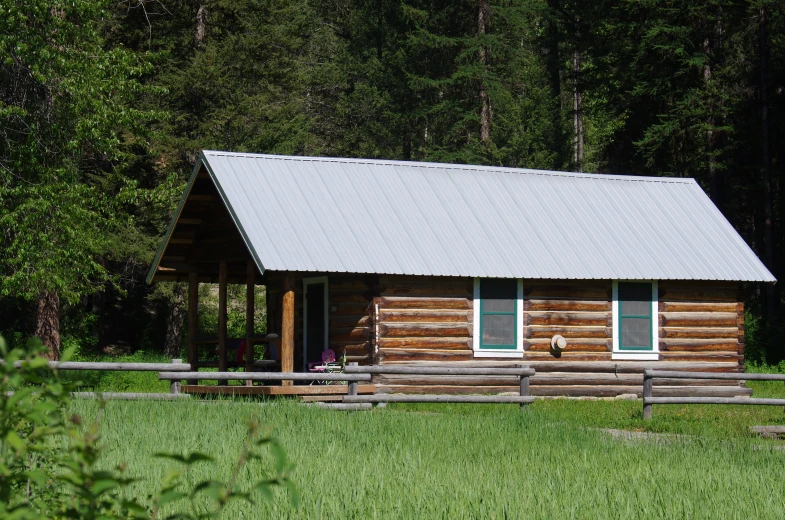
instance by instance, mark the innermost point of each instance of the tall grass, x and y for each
(456, 461)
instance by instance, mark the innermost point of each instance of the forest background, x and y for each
(104, 107)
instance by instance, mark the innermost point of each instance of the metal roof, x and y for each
(374, 216)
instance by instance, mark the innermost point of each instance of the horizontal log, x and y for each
(432, 290)
(697, 295)
(713, 400)
(350, 334)
(707, 357)
(572, 346)
(708, 375)
(404, 302)
(129, 396)
(702, 345)
(551, 365)
(259, 363)
(261, 376)
(769, 429)
(426, 343)
(533, 355)
(598, 319)
(440, 370)
(398, 280)
(626, 367)
(344, 406)
(690, 306)
(569, 390)
(351, 321)
(121, 367)
(544, 379)
(548, 331)
(699, 333)
(567, 292)
(402, 330)
(566, 305)
(420, 316)
(351, 348)
(437, 398)
(698, 319)
(388, 355)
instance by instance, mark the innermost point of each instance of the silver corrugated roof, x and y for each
(370, 216)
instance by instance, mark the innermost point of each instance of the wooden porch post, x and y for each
(287, 327)
(249, 317)
(222, 286)
(193, 322)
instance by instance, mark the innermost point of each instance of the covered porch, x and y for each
(204, 245)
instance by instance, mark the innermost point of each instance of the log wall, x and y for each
(579, 310)
(411, 319)
(418, 318)
(426, 320)
(701, 322)
(349, 298)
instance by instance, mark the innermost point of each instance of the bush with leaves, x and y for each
(49, 463)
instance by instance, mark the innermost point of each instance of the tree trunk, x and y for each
(577, 111)
(483, 19)
(710, 50)
(768, 246)
(47, 327)
(175, 323)
(201, 25)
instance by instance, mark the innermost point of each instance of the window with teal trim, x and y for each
(635, 320)
(498, 313)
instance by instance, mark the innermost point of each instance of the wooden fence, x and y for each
(174, 391)
(650, 375)
(522, 372)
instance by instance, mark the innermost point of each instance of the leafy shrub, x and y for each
(49, 463)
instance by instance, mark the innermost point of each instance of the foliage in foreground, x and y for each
(553, 460)
(50, 463)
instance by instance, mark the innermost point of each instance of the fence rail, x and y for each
(524, 372)
(650, 375)
(175, 365)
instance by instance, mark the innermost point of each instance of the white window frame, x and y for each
(497, 353)
(306, 283)
(649, 355)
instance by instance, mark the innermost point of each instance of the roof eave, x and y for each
(170, 229)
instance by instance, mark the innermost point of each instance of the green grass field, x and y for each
(472, 461)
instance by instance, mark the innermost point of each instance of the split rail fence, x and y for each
(174, 391)
(522, 372)
(650, 375)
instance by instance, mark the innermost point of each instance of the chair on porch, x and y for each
(328, 364)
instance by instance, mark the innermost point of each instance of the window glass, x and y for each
(635, 319)
(498, 306)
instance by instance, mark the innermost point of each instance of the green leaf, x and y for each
(16, 442)
(170, 496)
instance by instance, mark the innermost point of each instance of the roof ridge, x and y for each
(453, 166)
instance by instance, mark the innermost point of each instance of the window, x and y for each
(635, 320)
(498, 321)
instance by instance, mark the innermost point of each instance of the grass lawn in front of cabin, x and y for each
(552, 460)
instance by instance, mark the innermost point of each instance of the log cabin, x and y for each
(588, 278)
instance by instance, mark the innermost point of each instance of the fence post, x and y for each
(648, 384)
(352, 384)
(174, 386)
(524, 380)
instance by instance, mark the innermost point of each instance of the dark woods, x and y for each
(104, 109)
